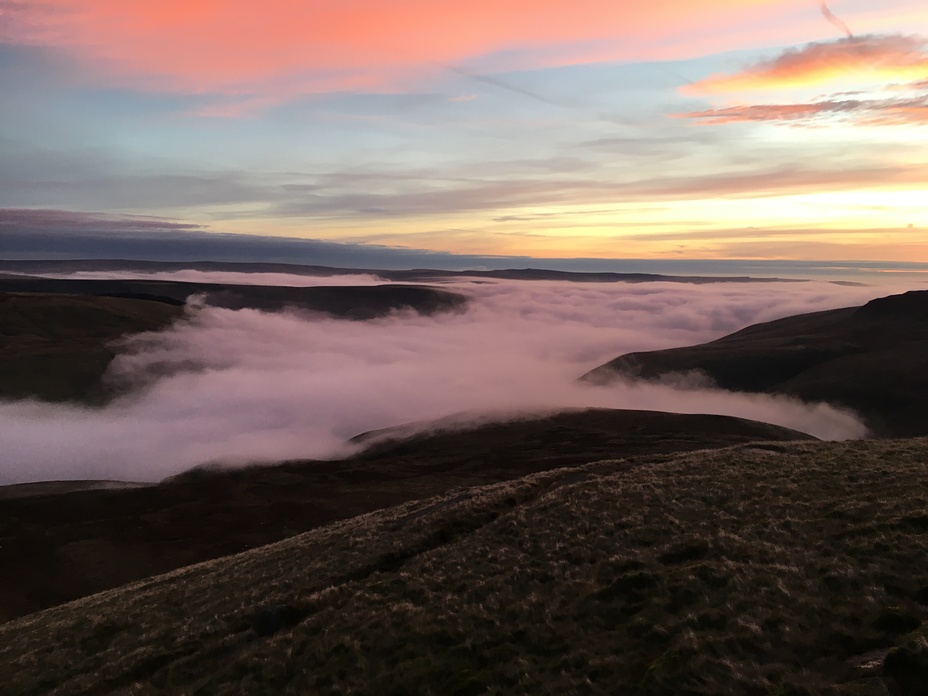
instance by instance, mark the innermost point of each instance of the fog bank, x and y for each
(245, 386)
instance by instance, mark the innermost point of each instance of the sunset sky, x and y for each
(746, 129)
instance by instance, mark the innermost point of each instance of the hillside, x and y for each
(788, 568)
(578, 436)
(871, 359)
(57, 347)
(56, 335)
(348, 302)
(55, 548)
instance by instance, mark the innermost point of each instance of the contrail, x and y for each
(839, 23)
(486, 79)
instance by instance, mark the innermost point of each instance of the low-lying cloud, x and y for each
(246, 386)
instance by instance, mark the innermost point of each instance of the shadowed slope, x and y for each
(56, 347)
(349, 302)
(871, 359)
(55, 548)
(561, 439)
(55, 335)
(783, 568)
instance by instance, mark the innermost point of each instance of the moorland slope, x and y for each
(871, 359)
(57, 547)
(348, 301)
(788, 568)
(57, 336)
(57, 347)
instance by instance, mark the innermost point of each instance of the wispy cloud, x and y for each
(887, 112)
(259, 53)
(884, 58)
(64, 220)
(889, 71)
(835, 20)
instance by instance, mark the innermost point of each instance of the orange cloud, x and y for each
(859, 58)
(871, 112)
(277, 49)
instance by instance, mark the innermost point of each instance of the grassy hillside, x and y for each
(348, 302)
(871, 359)
(55, 334)
(55, 548)
(787, 568)
(56, 347)
(578, 436)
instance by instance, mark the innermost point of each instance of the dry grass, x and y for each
(782, 568)
(57, 347)
(58, 548)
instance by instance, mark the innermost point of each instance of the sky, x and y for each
(671, 129)
(237, 387)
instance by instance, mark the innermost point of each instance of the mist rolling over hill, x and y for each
(871, 359)
(241, 386)
(60, 541)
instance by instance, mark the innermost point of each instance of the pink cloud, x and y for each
(894, 62)
(256, 53)
(884, 112)
(885, 58)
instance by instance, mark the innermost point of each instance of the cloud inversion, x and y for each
(244, 386)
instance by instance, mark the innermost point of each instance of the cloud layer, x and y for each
(259, 53)
(898, 111)
(244, 386)
(889, 73)
(892, 57)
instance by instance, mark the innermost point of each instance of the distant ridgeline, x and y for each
(350, 302)
(416, 275)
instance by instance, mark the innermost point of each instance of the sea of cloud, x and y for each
(235, 387)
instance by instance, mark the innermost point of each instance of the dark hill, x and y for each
(56, 347)
(781, 568)
(56, 335)
(348, 302)
(871, 359)
(55, 548)
(562, 439)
